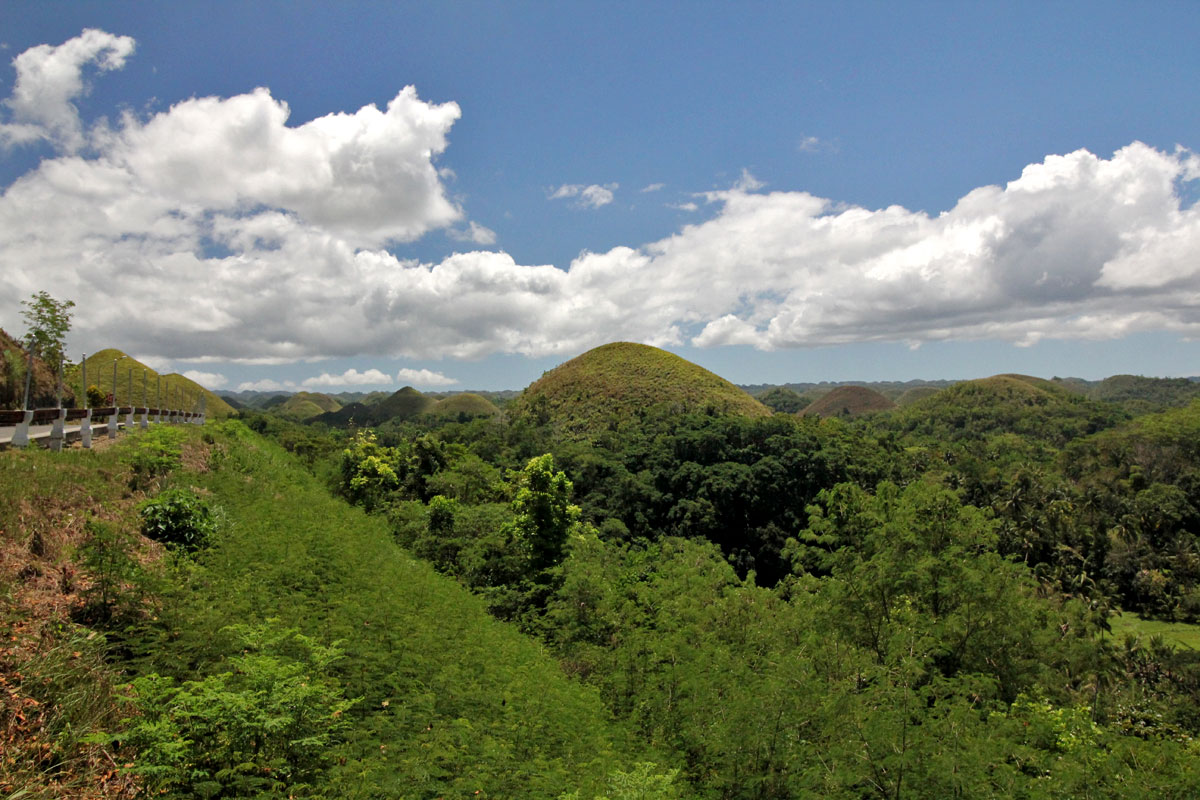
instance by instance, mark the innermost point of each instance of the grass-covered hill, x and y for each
(173, 385)
(42, 386)
(622, 380)
(403, 404)
(1140, 394)
(849, 401)
(305, 405)
(463, 406)
(1006, 404)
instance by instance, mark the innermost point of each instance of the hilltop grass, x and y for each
(616, 382)
(467, 404)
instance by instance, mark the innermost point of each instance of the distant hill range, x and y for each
(613, 383)
(405, 404)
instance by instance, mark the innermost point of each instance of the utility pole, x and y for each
(115, 360)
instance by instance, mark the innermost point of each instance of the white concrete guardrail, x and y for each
(49, 425)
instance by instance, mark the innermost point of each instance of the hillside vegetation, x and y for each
(294, 598)
(43, 386)
(615, 382)
(1006, 404)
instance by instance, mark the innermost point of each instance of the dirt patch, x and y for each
(54, 684)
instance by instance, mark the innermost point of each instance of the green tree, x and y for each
(49, 320)
(544, 514)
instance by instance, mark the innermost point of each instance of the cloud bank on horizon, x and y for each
(231, 236)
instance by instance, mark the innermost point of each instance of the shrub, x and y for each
(107, 555)
(266, 726)
(95, 397)
(177, 518)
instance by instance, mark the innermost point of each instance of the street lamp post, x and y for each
(112, 421)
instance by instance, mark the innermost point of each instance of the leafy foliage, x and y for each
(264, 725)
(177, 518)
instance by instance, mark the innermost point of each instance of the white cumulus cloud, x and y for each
(209, 380)
(266, 385)
(423, 377)
(350, 377)
(49, 78)
(214, 231)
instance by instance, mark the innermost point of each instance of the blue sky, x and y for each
(779, 192)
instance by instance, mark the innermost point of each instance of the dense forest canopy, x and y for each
(691, 598)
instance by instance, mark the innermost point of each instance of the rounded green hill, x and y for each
(849, 401)
(172, 387)
(624, 380)
(461, 406)
(1006, 404)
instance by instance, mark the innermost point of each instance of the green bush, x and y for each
(177, 518)
(263, 727)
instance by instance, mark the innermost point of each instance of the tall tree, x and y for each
(48, 320)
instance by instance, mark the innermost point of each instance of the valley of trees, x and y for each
(631, 581)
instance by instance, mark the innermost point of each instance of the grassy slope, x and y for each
(453, 701)
(623, 380)
(100, 374)
(1178, 634)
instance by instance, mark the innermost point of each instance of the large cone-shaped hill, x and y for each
(849, 401)
(1007, 404)
(173, 389)
(622, 380)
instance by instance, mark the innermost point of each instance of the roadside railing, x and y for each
(58, 418)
